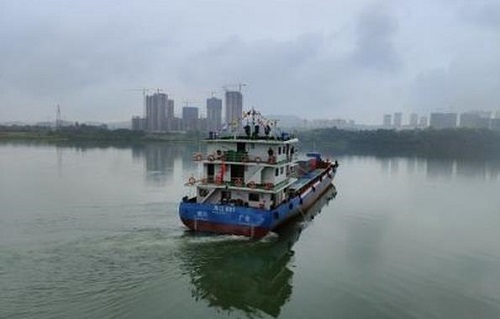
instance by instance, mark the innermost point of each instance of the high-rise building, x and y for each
(190, 118)
(234, 106)
(398, 119)
(170, 117)
(387, 120)
(423, 122)
(413, 120)
(475, 119)
(443, 120)
(138, 123)
(156, 110)
(214, 113)
(170, 109)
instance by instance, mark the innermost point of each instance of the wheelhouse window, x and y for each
(276, 172)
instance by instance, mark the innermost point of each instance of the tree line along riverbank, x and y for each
(429, 142)
(88, 133)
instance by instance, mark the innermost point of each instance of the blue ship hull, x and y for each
(248, 221)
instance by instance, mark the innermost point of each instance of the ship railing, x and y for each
(242, 157)
(235, 156)
(230, 136)
(237, 182)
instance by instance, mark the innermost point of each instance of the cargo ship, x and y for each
(253, 180)
(257, 277)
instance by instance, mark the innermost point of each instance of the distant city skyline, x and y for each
(159, 118)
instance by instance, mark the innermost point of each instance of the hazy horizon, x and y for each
(312, 59)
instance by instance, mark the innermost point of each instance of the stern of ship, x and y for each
(225, 219)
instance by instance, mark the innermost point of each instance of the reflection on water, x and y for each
(163, 161)
(442, 168)
(251, 276)
(93, 232)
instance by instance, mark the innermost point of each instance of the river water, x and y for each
(89, 232)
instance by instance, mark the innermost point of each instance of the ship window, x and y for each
(253, 197)
(279, 150)
(282, 170)
(276, 172)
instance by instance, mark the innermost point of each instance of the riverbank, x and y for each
(93, 134)
(464, 143)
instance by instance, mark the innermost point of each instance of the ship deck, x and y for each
(306, 178)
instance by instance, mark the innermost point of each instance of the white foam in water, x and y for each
(271, 236)
(211, 238)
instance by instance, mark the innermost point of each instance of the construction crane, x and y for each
(239, 85)
(147, 90)
(144, 92)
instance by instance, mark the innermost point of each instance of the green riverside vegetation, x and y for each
(89, 133)
(460, 142)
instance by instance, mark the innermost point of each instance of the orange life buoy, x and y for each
(251, 184)
(269, 185)
(271, 160)
(204, 180)
(192, 180)
(257, 159)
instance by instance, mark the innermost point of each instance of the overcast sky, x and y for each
(353, 59)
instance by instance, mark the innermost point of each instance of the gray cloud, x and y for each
(374, 39)
(331, 60)
(482, 13)
(470, 82)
